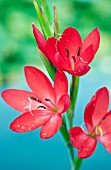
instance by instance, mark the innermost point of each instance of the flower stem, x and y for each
(66, 137)
(78, 163)
(73, 96)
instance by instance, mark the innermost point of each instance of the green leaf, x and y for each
(39, 3)
(47, 11)
(49, 66)
(46, 29)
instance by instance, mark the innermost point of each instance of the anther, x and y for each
(74, 58)
(78, 53)
(48, 100)
(41, 107)
(67, 51)
(34, 98)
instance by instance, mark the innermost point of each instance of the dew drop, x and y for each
(18, 126)
(44, 134)
(23, 127)
(29, 128)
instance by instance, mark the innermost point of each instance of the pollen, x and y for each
(99, 129)
(55, 109)
(92, 135)
(72, 68)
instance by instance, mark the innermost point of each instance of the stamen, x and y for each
(48, 100)
(83, 60)
(29, 106)
(78, 53)
(67, 51)
(100, 130)
(41, 107)
(34, 98)
(74, 58)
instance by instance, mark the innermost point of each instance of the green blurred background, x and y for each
(18, 48)
(17, 44)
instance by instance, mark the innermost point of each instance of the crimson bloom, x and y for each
(98, 123)
(70, 53)
(41, 107)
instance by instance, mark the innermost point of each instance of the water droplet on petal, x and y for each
(29, 128)
(18, 126)
(23, 127)
(43, 134)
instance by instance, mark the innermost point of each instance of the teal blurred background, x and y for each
(17, 49)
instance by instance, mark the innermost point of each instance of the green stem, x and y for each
(78, 163)
(73, 96)
(66, 137)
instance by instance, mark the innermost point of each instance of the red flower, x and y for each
(70, 53)
(41, 107)
(98, 123)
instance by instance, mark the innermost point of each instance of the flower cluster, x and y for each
(45, 103)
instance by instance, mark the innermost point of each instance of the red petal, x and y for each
(71, 40)
(26, 122)
(87, 148)
(60, 63)
(106, 124)
(88, 114)
(92, 38)
(18, 99)
(39, 83)
(60, 84)
(51, 48)
(64, 103)
(106, 141)
(61, 47)
(51, 127)
(87, 55)
(101, 105)
(55, 56)
(80, 70)
(40, 39)
(82, 142)
(40, 112)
